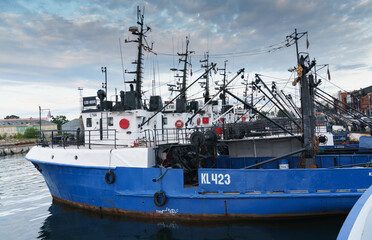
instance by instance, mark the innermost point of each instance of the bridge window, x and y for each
(110, 121)
(89, 122)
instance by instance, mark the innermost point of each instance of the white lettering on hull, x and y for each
(215, 178)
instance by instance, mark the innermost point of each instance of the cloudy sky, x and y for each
(49, 49)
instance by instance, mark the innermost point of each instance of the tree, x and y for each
(59, 120)
(31, 132)
(3, 136)
(263, 113)
(280, 113)
(12, 117)
(18, 136)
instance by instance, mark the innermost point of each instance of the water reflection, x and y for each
(65, 222)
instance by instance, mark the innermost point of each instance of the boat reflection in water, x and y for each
(66, 222)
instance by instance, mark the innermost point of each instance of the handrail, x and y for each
(157, 137)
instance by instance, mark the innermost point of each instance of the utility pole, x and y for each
(40, 110)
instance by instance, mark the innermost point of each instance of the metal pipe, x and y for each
(292, 104)
(276, 158)
(225, 85)
(343, 103)
(282, 107)
(341, 108)
(206, 72)
(255, 110)
(285, 112)
(249, 109)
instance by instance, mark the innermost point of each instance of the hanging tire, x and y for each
(110, 177)
(197, 138)
(159, 202)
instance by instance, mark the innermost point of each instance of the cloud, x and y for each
(64, 44)
(350, 67)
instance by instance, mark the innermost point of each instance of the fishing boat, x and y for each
(163, 162)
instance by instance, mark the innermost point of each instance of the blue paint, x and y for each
(27, 212)
(233, 191)
(323, 161)
(353, 215)
(365, 142)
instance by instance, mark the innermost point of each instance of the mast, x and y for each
(223, 96)
(139, 60)
(141, 39)
(206, 77)
(184, 70)
(307, 100)
(245, 94)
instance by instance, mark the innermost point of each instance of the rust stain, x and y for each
(185, 217)
(225, 208)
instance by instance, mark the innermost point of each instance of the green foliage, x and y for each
(12, 117)
(31, 132)
(59, 120)
(264, 113)
(280, 113)
(18, 136)
(3, 136)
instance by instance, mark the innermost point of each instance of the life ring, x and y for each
(179, 124)
(110, 177)
(162, 197)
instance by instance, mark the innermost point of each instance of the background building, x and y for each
(73, 125)
(11, 127)
(358, 99)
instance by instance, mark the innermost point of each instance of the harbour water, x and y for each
(28, 212)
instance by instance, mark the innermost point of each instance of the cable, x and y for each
(251, 52)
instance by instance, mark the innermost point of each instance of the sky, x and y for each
(51, 48)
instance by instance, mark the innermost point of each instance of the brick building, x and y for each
(360, 100)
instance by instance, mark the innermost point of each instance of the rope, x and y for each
(316, 145)
(161, 176)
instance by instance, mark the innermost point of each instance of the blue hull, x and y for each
(221, 194)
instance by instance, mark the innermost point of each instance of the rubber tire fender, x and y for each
(156, 198)
(108, 179)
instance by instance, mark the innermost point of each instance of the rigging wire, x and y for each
(158, 75)
(251, 52)
(324, 78)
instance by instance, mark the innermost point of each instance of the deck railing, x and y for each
(150, 137)
(89, 138)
